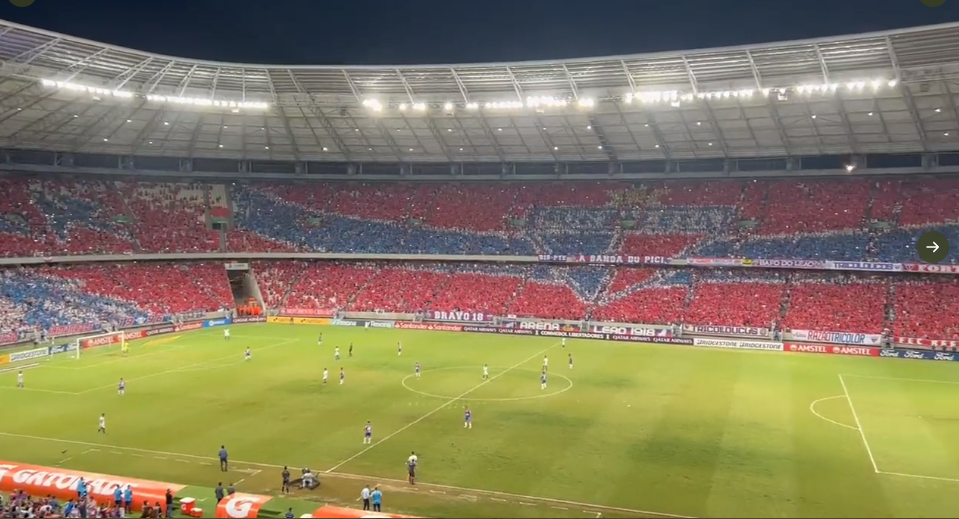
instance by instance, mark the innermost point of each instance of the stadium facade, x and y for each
(751, 108)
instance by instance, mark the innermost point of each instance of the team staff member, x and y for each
(365, 496)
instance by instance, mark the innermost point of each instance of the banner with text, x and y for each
(638, 330)
(604, 259)
(429, 326)
(726, 331)
(72, 329)
(930, 268)
(298, 320)
(738, 345)
(457, 316)
(920, 355)
(30, 354)
(860, 351)
(719, 262)
(63, 348)
(871, 266)
(790, 264)
(217, 322)
(243, 320)
(865, 339)
(926, 343)
(61, 483)
(308, 312)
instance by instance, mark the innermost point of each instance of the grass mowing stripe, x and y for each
(440, 408)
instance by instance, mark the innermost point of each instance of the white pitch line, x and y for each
(438, 409)
(61, 462)
(526, 504)
(182, 368)
(936, 478)
(491, 494)
(812, 407)
(929, 381)
(38, 390)
(90, 450)
(559, 507)
(855, 417)
(240, 481)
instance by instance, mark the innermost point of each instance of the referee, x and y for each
(365, 496)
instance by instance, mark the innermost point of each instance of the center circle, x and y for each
(495, 373)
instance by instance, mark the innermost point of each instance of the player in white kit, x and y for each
(545, 363)
(226, 334)
(20, 379)
(336, 353)
(368, 434)
(485, 372)
(399, 349)
(416, 369)
(103, 424)
(248, 355)
(564, 342)
(342, 376)
(326, 375)
(122, 387)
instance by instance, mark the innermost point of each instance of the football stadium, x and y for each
(698, 283)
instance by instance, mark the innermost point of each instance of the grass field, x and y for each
(633, 430)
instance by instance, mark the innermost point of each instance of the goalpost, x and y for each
(102, 340)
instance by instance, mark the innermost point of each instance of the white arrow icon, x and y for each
(934, 246)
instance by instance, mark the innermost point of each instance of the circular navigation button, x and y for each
(932, 247)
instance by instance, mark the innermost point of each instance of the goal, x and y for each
(115, 341)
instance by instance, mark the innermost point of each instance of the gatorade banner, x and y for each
(241, 505)
(4, 359)
(336, 512)
(35, 480)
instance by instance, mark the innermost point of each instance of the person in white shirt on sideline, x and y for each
(365, 496)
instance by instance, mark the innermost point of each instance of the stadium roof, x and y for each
(889, 92)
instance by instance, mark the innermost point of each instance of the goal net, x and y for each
(114, 341)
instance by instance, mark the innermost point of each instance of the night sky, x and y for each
(371, 32)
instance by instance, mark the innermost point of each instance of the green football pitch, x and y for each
(631, 431)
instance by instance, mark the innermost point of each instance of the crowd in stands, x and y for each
(864, 303)
(842, 219)
(908, 304)
(48, 296)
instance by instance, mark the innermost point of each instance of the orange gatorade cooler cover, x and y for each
(241, 505)
(62, 483)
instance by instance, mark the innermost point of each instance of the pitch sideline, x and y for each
(489, 493)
